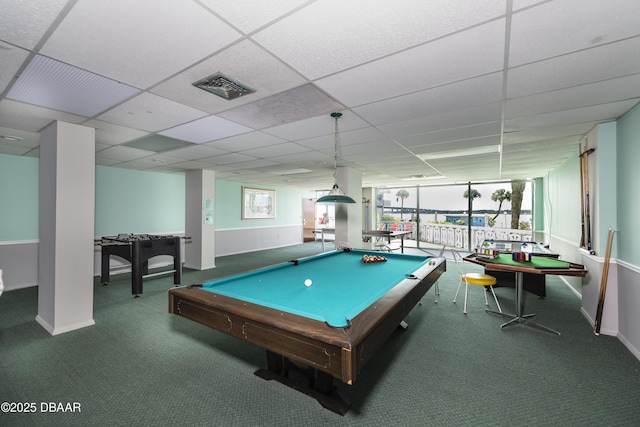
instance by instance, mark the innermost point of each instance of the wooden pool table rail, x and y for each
(340, 352)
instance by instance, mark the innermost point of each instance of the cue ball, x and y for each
(308, 282)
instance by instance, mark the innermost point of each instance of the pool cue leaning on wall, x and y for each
(603, 283)
(586, 204)
(582, 236)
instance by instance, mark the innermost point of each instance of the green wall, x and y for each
(628, 173)
(19, 201)
(127, 201)
(607, 195)
(538, 205)
(228, 210)
(130, 201)
(563, 201)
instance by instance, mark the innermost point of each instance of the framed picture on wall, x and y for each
(258, 203)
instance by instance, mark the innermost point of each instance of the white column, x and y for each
(67, 212)
(349, 215)
(369, 214)
(199, 217)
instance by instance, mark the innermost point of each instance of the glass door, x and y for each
(458, 216)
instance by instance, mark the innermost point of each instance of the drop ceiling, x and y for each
(432, 92)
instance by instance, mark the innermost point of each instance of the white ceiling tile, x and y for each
(27, 140)
(246, 63)
(276, 150)
(285, 107)
(521, 4)
(463, 55)
(560, 27)
(463, 144)
(123, 154)
(420, 76)
(385, 148)
(250, 15)
(467, 117)
(358, 136)
(395, 164)
(587, 66)
(148, 163)
(100, 33)
(522, 153)
(332, 35)
(346, 138)
(195, 152)
(246, 141)
(602, 112)
(169, 169)
(164, 159)
(305, 158)
(106, 162)
(324, 142)
(576, 130)
(23, 23)
(578, 96)
(316, 126)
(150, 113)
(107, 133)
(100, 146)
(18, 115)
(206, 129)
(482, 130)
(253, 164)
(463, 162)
(456, 96)
(225, 159)
(11, 58)
(193, 165)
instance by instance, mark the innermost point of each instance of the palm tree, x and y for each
(474, 195)
(517, 189)
(401, 195)
(500, 195)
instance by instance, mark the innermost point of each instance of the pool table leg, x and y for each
(312, 382)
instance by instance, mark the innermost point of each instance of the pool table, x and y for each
(314, 332)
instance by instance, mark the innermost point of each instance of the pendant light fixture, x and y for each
(336, 195)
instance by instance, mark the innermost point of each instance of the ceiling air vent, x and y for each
(223, 86)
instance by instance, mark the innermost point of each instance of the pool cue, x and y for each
(587, 209)
(582, 243)
(603, 283)
(586, 197)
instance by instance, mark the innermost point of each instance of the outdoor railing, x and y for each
(457, 236)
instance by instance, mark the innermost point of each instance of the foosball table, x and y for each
(138, 249)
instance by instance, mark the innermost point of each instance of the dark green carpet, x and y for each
(141, 366)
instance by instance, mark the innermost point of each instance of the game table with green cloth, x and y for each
(534, 283)
(537, 265)
(314, 332)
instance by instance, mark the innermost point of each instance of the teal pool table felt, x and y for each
(343, 285)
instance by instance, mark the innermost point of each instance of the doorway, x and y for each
(308, 219)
